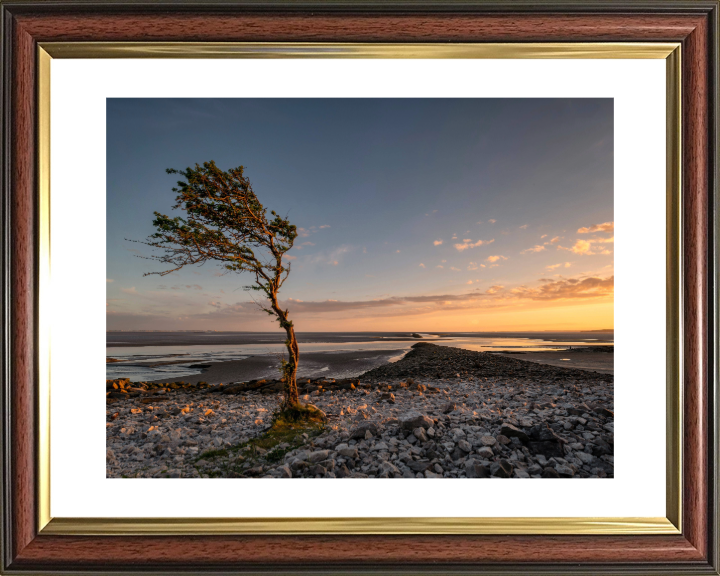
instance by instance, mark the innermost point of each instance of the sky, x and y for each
(413, 214)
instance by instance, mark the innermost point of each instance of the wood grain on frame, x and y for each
(691, 24)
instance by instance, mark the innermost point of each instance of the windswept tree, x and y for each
(225, 222)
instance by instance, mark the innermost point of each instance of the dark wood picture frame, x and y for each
(693, 23)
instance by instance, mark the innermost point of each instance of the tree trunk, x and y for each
(290, 368)
(291, 390)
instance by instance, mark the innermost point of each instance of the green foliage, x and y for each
(224, 222)
(297, 414)
(213, 454)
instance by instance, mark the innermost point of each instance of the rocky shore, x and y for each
(438, 412)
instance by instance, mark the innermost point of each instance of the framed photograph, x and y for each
(372, 288)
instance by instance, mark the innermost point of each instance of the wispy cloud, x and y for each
(556, 239)
(324, 226)
(536, 248)
(437, 242)
(422, 265)
(570, 288)
(332, 257)
(492, 221)
(604, 227)
(523, 227)
(131, 290)
(109, 280)
(554, 266)
(466, 244)
(495, 258)
(585, 247)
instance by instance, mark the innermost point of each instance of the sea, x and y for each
(149, 355)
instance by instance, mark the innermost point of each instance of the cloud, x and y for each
(581, 247)
(108, 280)
(438, 266)
(437, 242)
(333, 258)
(469, 282)
(492, 221)
(129, 290)
(397, 251)
(496, 296)
(585, 247)
(543, 236)
(552, 267)
(556, 240)
(571, 288)
(422, 265)
(523, 227)
(536, 248)
(495, 258)
(454, 269)
(308, 244)
(288, 257)
(303, 233)
(324, 226)
(469, 244)
(472, 266)
(604, 227)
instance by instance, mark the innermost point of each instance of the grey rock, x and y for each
(318, 456)
(550, 473)
(413, 420)
(584, 457)
(419, 465)
(513, 432)
(486, 452)
(474, 469)
(348, 452)
(464, 445)
(420, 434)
(359, 432)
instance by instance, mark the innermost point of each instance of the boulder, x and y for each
(513, 432)
(413, 420)
(318, 456)
(359, 432)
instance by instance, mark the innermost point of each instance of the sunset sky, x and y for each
(414, 214)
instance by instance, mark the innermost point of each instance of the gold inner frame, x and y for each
(671, 524)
